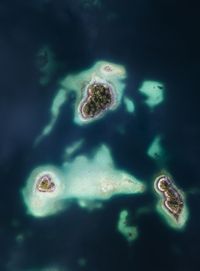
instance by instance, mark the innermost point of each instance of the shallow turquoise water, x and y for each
(154, 41)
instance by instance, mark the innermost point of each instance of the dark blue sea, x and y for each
(153, 39)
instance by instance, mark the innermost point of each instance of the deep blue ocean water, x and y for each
(152, 39)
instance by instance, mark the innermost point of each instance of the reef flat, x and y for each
(84, 179)
(43, 188)
(156, 150)
(97, 91)
(129, 232)
(154, 93)
(129, 105)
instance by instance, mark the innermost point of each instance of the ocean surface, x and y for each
(153, 40)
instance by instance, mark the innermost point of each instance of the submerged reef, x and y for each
(46, 63)
(154, 92)
(156, 150)
(129, 105)
(72, 149)
(173, 202)
(85, 180)
(91, 4)
(129, 232)
(97, 91)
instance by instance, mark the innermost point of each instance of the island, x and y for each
(97, 90)
(100, 96)
(45, 184)
(172, 204)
